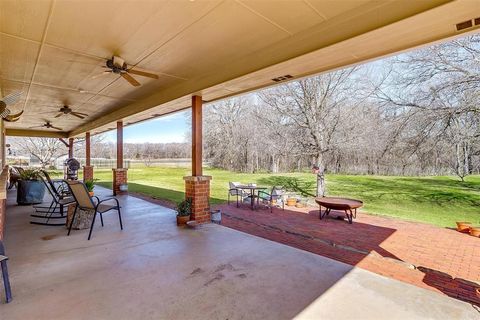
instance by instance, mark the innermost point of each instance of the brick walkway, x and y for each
(435, 258)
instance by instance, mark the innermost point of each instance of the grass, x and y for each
(436, 200)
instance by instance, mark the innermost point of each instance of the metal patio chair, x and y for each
(236, 192)
(6, 281)
(85, 202)
(273, 199)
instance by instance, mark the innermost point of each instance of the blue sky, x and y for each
(171, 128)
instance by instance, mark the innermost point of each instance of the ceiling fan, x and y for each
(67, 110)
(10, 99)
(47, 125)
(119, 66)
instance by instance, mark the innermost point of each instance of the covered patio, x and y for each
(154, 270)
(54, 55)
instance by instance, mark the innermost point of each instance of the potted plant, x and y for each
(184, 210)
(30, 189)
(90, 184)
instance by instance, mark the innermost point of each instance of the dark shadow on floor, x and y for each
(457, 288)
(330, 237)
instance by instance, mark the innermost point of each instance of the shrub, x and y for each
(184, 208)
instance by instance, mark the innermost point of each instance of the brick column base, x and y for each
(87, 173)
(198, 189)
(119, 178)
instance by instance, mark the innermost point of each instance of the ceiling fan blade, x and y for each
(101, 74)
(118, 62)
(143, 73)
(13, 117)
(130, 79)
(81, 113)
(8, 119)
(59, 115)
(56, 128)
(77, 115)
(12, 98)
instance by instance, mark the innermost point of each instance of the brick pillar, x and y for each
(87, 173)
(119, 177)
(197, 188)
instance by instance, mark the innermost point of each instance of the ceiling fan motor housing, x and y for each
(115, 68)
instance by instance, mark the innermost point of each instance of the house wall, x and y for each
(3, 180)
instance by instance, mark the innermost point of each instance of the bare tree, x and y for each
(46, 150)
(313, 107)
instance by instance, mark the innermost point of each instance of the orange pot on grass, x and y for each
(475, 231)
(91, 193)
(463, 226)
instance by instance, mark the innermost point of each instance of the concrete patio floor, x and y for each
(155, 270)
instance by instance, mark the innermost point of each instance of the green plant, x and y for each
(184, 208)
(90, 184)
(30, 174)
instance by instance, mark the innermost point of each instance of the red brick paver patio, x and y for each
(438, 259)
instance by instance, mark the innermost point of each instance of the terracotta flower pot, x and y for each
(463, 226)
(475, 231)
(182, 220)
(291, 202)
(91, 193)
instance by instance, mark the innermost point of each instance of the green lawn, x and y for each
(435, 200)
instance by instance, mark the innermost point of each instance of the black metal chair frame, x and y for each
(270, 197)
(95, 206)
(55, 210)
(6, 280)
(238, 193)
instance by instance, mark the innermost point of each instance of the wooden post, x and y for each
(119, 173)
(119, 144)
(87, 168)
(196, 136)
(70, 148)
(87, 148)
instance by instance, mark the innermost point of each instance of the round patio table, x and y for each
(252, 195)
(349, 206)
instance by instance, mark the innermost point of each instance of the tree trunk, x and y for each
(273, 167)
(321, 188)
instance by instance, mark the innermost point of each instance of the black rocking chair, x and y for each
(55, 210)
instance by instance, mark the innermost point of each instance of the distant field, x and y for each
(435, 200)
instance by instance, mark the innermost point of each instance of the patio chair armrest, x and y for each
(3, 258)
(238, 191)
(97, 198)
(263, 194)
(108, 199)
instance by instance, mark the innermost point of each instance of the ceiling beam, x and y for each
(35, 133)
(372, 16)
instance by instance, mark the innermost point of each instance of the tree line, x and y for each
(414, 114)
